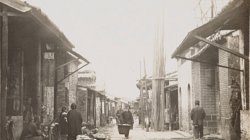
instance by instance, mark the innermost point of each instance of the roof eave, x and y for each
(216, 23)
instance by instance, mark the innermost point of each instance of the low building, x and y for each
(213, 63)
(33, 50)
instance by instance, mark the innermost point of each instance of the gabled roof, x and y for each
(222, 21)
(38, 16)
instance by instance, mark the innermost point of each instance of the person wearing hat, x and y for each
(236, 106)
(74, 119)
(197, 116)
(127, 119)
(63, 123)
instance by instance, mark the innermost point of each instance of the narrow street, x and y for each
(140, 134)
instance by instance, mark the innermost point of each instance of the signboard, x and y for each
(49, 55)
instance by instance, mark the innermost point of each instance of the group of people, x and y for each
(125, 117)
(70, 123)
(69, 126)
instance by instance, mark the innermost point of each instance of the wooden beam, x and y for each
(71, 73)
(195, 60)
(58, 67)
(4, 71)
(11, 14)
(221, 47)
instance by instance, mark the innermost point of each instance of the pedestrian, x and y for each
(74, 119)
(118, 116)
(235, 105)
(63, 123)
(32, 130)
(197, 116)
(127, 119)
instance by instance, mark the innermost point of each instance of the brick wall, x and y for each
(66, 89)
(201, 78)
(72, 84)
(82, 97)
(208, 98)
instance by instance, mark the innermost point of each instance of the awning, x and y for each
(38, 16)
(171, 87)
(224, 21)
(17, 5)
(44, 21)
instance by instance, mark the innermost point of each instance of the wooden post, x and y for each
(39, 85)
(55, 83)
(1, 109)
(4, 69)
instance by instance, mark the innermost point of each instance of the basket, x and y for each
(123, 128)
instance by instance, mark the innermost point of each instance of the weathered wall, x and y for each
(82, 100)
(98, 111)
(245, 125)
(72, 84)
(184, 80)
(208, 97)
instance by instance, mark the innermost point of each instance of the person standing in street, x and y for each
(235, 105)
(63, 124)
(127, 119)
(74, 119)
(118, 115)
(197, 116)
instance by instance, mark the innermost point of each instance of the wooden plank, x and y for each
(4, 66)
(221, 47)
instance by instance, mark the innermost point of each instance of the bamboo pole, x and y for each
(158, 86)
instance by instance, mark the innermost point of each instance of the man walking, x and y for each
(197, 116)
(127, 119)
(74, 122)
(118, 115)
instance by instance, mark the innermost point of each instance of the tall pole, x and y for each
(141, 99)
(146, 106)
(158, 85)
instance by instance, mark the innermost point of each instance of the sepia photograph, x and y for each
(124, 69)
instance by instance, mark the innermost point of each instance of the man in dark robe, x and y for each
(74, 122)
(118, 115)
(127, 118)
(63, 124)
(197, 116)
(235, 104)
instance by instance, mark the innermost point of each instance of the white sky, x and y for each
(115, 35)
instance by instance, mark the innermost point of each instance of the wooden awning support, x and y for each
(221, 47)
(71, 73)
(195, 60)
(66, 63)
